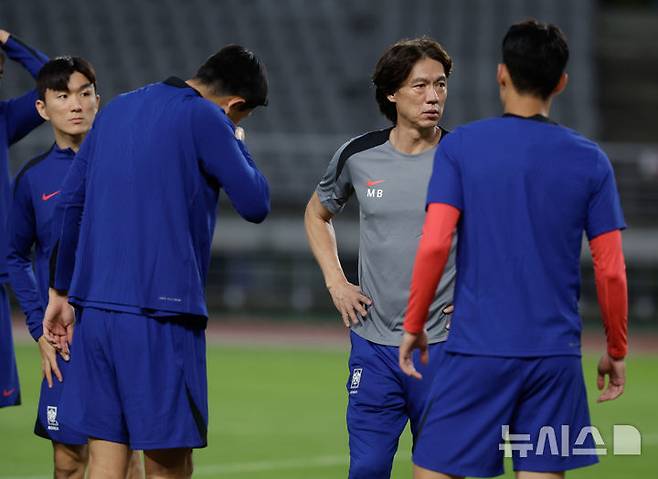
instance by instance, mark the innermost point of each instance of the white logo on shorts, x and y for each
(356, 378)
(51, 414)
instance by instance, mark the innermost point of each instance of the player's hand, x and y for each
(49, 361)
(58, 322)
(4, 36)
(349, 301)
(615, 369)
(409, 343)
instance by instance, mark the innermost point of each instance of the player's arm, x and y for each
(433, 252)
(611, 288)
(22, 237)
(31, 59)
(347, 297)
(227, 160)
(59, 316)
(22, 116)
(604, 221)
(445, 204)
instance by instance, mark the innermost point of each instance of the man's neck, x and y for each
(412, 141)
(526, 105)
(65, 140)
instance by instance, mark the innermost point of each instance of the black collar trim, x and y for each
(179, 83)
(538, 117)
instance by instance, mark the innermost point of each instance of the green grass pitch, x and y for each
(277, 413)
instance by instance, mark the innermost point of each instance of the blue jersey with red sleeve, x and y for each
(147, 178)
(36, 192)
(18, 116)
(527, 189)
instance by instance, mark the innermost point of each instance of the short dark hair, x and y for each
(55, 74)
(234, 70)
(536, 55)
(396, 64)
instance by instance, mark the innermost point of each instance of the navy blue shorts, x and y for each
(474, 397)
(382, 399)
(48, 424)
(10, 390)
(138, 380)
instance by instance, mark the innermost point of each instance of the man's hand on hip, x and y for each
(349, 301)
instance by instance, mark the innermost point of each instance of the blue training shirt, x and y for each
(18, 117)
(142, 193)
(527, 189)
(36, 192)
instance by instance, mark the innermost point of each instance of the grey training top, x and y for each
(391, 188)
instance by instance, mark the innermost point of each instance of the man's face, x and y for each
(421, 98)
(71, 112)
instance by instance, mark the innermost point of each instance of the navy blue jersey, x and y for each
(35, 193)
(148, 177)
(18, 116)
(527, 189)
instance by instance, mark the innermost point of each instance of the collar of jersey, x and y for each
(538, 117)
(179, 83)
(63, 153)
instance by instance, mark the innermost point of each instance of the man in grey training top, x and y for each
(388, 171)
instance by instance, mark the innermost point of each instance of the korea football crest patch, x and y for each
(356, 380)
(51, 415)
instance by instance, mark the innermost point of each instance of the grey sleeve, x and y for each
(335, 187)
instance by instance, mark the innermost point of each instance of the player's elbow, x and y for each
(432, 251)
(615, 280)
(256, 213)
(614, 276)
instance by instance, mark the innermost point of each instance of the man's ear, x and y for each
(561, 85)
(235, 103)
(40, 105)
(502, 75)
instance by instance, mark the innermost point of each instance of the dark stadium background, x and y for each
(319, 56)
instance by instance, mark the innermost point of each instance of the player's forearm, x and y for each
(255, 206)
(431, 259)
(322, 241)
(66, 222)
(24, 285)
(611, 288)
(31, 59)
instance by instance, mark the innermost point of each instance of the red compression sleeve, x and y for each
(431, 258)
(610, 277)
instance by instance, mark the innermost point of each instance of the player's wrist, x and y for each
(412, 329)
(615, 355)
(333, 283)
(54, 292)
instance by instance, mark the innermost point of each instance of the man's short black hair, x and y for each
(536, 55)
(234, 70)
(396, 64)
(56, 73)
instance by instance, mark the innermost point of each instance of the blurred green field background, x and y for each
(279, 413)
